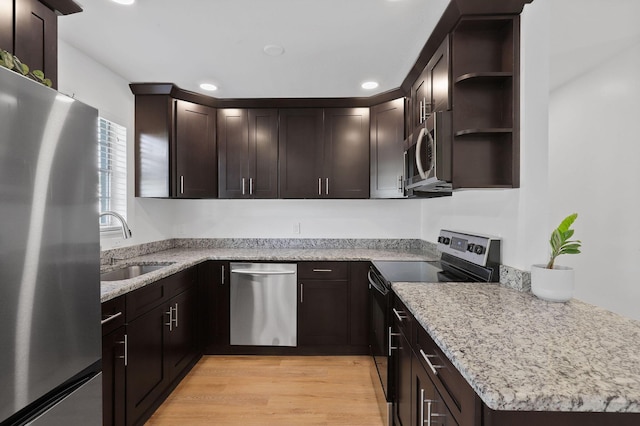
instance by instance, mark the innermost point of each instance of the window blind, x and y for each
(112, 171)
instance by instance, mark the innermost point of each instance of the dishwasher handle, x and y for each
(258, 272)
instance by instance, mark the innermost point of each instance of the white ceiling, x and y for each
(587, 32)
(331, 46)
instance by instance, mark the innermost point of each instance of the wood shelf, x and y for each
(488, 130)
(499, 75)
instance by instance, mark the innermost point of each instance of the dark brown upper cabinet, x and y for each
(324, 153)
(346, 153)
(195, 151)
(387, 149)
(486, 114)
(301, 152)
(248, 153)
(29, 30)
(175, 148)
(431, 92)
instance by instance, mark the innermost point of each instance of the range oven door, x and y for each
(428, 160)
(379, 299)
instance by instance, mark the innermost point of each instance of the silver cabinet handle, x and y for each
(424, 118)
(250, 186)
(422, 408)
(420, 114)
(323, 270)
(222, 274)
(110, 318)
(182, 184)
(125, 342)
(243, 186)
(431, 366)
(399, 183)
(327, 186)
(301, 293)
(391, 347)
(319, 186)
(170, 323)
(399, 314)
(176, 318)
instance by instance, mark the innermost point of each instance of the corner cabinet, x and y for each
(175, 144)
(324, 153)
(248, 153)
(387, 149)
(486, 106)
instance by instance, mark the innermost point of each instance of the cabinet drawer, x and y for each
(113, 314)
(456, 392)
(323, 270)
(401, 316)
(179, 282)
(143, 299)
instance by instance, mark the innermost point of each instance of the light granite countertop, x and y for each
(183, 258)
(522, 353)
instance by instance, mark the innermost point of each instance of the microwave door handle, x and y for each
(423, 175)
(432, 144)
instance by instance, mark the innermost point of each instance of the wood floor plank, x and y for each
(273, 390)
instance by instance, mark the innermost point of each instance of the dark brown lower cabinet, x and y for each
(149, 348)
(323, 312)
(214, 306)
(113, 378)
(429, 406)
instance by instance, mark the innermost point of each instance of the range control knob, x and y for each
(479, 249)
(470, 247)
(441, 239)
(446, 240)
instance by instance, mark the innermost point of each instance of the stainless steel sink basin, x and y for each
(131, 271)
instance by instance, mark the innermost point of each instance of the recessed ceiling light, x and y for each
(127, 2)
(370, 85)
(208, 86)
(273, 50)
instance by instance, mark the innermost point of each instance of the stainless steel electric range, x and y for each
(465, 258)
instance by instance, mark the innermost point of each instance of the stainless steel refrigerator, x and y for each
(50, 336)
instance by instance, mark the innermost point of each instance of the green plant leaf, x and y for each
(567, 222)
(39, 75)
(47, 82)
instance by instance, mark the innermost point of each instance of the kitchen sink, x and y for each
(131, 271)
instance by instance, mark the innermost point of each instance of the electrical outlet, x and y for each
(296, 228)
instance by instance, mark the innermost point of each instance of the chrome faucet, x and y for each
(126, 232)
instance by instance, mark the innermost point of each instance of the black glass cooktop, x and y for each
(400, 271)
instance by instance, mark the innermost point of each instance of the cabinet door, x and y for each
(403, 378)
(181, 343)
(195, 151)
(439, 72)
(387, 150)
(113, 378)
(323, 313)
(36, 37)
(233, 152)
(421, 99)
(146, 375)
(214, 305)
(263, 153)
(428, 407)
(300, 153)
(346, 153)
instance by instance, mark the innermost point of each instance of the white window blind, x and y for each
(112, 171)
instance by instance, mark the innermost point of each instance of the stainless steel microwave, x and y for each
(428, 155)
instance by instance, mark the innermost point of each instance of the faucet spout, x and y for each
(126, 231)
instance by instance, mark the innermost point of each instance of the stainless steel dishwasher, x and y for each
(263, 310)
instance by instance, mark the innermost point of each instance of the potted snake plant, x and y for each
(550, 281)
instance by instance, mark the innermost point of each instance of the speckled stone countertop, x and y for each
(521, 353)
(183, 258)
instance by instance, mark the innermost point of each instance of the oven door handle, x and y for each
(376, 285)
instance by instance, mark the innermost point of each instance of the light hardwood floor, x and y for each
(273, 390)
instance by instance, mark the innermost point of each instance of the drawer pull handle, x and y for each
(431, 366)
(323, 270)
(125, 356)
(110, 318)
(399, 314)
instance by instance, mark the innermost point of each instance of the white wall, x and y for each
(94, 84)
(594, 170)
(518, 216)
(317, 218)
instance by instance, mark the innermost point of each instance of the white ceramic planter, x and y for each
(554, 285)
